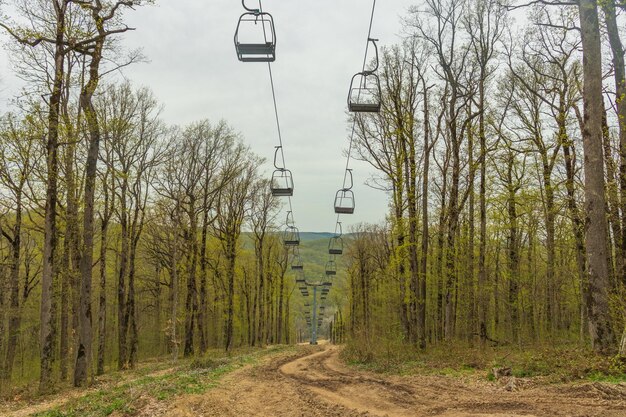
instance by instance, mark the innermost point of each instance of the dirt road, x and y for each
(314, 382)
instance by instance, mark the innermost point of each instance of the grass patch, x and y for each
(188, 377)
(458, 359)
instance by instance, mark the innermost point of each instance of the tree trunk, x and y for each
(84, 350)
(577, 222)
(102, 299)
(602, 336)
(421, 304)
(620, 102)
(202, 309)
(122, 324)
(14, 290)
(47, 328)
(192, 296)
(230, 273)
(453, 217)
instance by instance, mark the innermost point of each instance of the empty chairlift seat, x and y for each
(296, 264)
(335, 244)
(365, 94)
(255, 36)
(291, 236)
(282, 180)
(344, 201)
(282, 183)
(344, 198)
(331, 267)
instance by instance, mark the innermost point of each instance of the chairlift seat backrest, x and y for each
(291, 236)
(344, 201)
(364, 96)
(255, 37)
(282, 183)
(335, 245)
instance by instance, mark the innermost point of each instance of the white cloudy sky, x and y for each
(194, 71)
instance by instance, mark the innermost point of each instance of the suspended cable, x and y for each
(354, 120)
(345, 191)
(280, 135)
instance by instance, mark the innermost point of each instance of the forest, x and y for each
(500, 142)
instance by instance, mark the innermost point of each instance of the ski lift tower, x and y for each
(322, 285)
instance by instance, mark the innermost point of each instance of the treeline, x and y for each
(121, 237)
(504, 154)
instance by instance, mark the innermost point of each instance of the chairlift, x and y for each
(365, 93)
(331, 267)
(296, 264)
(282, 180)
(344, 198)
(255, 36)
(335, 244)
(291, 235)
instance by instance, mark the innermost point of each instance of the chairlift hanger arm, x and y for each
(349, 170)
(373, 41)
(277, 148)
(243, 3)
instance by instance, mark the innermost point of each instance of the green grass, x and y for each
(546, 363)
(190, 377)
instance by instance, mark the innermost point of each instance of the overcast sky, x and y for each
(193, 70)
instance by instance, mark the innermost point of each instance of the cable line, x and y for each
(344, 198)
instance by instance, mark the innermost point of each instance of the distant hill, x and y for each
(304, 236)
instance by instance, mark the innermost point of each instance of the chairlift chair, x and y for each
(365, 93)
(282, 180)
(291, 236)
(331, 267)
(255, 36)
(344, 198)
(335, 245)
(282, 183)
(296, 264)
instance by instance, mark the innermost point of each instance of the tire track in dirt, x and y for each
(314, 382)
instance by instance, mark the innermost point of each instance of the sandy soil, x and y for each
(314, 382)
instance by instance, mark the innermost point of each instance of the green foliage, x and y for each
(193, 377)
(549, 364)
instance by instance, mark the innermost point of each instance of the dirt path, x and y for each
(314, 382)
